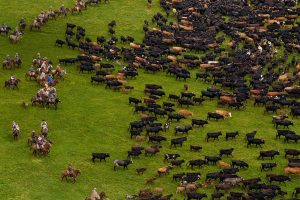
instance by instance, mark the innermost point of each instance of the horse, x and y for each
(75, 173)
(15, 38)
(31, 75)
(6, 31)
(16, 133)
(76, 9)
(54, 103)
(35, 100)
(44, 151)
(36, 25)
(7, 64)
(17, 64)
(12, 84)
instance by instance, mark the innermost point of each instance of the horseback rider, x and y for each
(7, 58)
(94, 195)
(43, 124)
(22, 21)
(3, 27)
(15, 126)
(70, 169)
(17, 58)
(16, 32)
(38, 56)
(33, 136)
(62, 8)
(12, 79)
(50, 80)
(58, 69)
(40, 143)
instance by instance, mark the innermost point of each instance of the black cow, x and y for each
(284, 123)
(188, 95)
(271, 154)
(135, 132)
(156, 138)
(216, 116)
(199, 122)
(182, 129)
(266, 166)
(212, 159)
(231, 135)
(291, 152)
(171, 156)
(173, 97)
(59, 42)
(185, 102)
(153, 129)
(271, 108)
(214, 135)
(133, 153)
(239, 163)
(295, 138)
(195, 147)
(199, 163)
(191, 177)
(134, 100)
(256, 141)
(178, 117)
(278, 178)
(195, 196)
(177, 163)
(101, 156)
(168, 104)
(122, 163)
(284, 133)
(217, 195)
(227, 152)
(177, 141)
(97, 79)
(178, 176)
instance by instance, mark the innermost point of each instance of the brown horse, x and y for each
(15, 134)
(36, 25)
(12, 84)
(76, 9)
(44, 151)
(292, 170)
(75, 173)
(35, 100)
(31, 75)
(7, 64)
(17, 64)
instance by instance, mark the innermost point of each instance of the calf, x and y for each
(227, 152)
(199, 122)
(239, 163)
(271, 154)
(231, 135)
(140, 171)
(195, 148)
(256, 141)
(266, 166)
(101, 156)
(214, 135)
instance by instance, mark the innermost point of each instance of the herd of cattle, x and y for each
(249, 51)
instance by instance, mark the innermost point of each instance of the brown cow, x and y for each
(291, 170)
(134, 46)
(178, 49)
(224, 113)
(273, 94)
(227, 99)
(223, 165)
(185, 113)
(164, 170)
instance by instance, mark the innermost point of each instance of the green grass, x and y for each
(94, 119)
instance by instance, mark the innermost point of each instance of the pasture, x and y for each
(94, 119)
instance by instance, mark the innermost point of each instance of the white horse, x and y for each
(14, 38)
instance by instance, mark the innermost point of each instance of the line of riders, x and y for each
(44, 73)
(39, 143)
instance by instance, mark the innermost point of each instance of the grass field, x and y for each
(94, 119)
